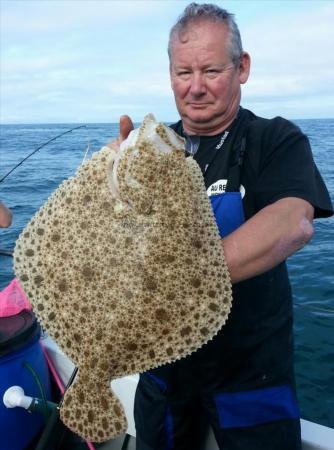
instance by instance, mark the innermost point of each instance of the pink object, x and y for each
(13, 300)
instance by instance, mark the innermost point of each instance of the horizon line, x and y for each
(117, 122)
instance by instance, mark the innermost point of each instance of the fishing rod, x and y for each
(38, 148)
(5, 252)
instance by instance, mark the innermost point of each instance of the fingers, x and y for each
(125, 127)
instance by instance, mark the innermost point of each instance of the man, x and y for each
(5, 216)
(265, 191)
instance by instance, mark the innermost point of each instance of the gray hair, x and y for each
(213, 13)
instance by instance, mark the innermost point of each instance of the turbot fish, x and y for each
(125, 270)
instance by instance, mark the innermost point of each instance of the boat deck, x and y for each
(118, 444)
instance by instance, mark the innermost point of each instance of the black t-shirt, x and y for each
(277, 163)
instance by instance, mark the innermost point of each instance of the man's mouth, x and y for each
(198, 105)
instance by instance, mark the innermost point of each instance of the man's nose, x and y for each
(198, 86)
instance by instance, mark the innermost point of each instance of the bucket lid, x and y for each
(17, 331)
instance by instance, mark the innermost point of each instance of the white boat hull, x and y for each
(314, 436)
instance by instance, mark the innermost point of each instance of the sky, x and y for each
(83, 61)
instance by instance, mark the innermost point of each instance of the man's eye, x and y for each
(183, 73)
(211, 71)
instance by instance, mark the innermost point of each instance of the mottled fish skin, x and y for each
(124, 268)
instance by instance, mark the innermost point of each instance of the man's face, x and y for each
(205, 82)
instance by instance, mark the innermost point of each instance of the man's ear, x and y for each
(244, 67)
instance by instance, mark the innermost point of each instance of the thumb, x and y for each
(125, 126)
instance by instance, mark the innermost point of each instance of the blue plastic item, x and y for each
(18, 427)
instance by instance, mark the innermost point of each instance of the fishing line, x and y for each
(38, 148)
(314, 308)
(86, 153)
(5, 252)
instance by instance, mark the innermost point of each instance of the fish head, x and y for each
(142, 166)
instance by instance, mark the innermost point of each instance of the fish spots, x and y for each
(195, 282)
(197, 243)
(161, 314)
(38, 279)
(99, 334)
(87, 273)
(87, 199)
(170, 296)
(214, 307)
(77, 338)
(212, 293)
(150, 283)
(105, 425)
(30, 252)
(62, 286)
(106, 205)
(167, 258)
(128, 294)
(117, 410)
(90, 416)
(132, 346)
(55, 237)
(121, 324)
(104, 365)
(93, 363)
(185, 331)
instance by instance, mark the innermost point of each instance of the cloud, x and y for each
(291, 61)
(32, 17)
(64, 60)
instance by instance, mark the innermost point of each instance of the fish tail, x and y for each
(91, 410)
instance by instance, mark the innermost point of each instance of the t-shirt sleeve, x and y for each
(287, 169)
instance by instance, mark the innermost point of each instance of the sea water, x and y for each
(311, 269)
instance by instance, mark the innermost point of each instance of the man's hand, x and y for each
(125, 127)
(5, 216)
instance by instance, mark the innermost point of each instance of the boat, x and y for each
(62, 371)
(314, 436)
